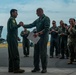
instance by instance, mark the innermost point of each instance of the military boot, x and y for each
(19, 71)
(70, 62)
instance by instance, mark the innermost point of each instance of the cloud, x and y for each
(55, 9)
(3, 19)
(27, 9)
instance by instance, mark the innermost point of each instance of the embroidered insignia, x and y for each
(13, 21)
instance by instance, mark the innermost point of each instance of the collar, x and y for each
(12, 18)
(42, 16)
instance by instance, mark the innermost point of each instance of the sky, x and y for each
(54, 9)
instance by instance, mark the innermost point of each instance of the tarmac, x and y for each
(55, 66)
(50, 71)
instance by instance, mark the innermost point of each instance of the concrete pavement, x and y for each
(50, 71)
(55, 66)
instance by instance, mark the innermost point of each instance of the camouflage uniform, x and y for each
(72, 43)
(26, 42)
(12, 37)
(40, 49)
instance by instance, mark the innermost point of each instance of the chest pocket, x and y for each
(42, 25)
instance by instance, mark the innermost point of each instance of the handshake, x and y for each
(21, 23)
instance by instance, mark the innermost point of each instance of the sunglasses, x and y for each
(53, 23)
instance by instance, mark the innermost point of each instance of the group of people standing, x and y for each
(42, 25)
(63, 40)
(58, 41)
(43, 30)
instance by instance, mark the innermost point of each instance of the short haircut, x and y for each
(40, 9)
(12, 10)
(54, 21)
(72, 19)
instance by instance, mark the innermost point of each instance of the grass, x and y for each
(2, 45)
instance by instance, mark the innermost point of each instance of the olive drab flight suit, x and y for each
(40, 49)
(26, 42)
(54, 41)
(12, 36)
(63, 41)
(59, 40)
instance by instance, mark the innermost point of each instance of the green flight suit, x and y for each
(59, 40)
(26, 42)
(40, 49)
(12, 40)
(63, 41)
(54, 41)
(72, 43)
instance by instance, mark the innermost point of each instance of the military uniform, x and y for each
(63, 40)
(40, 49)
(59, 40)
(72, 43)
(12, 36)
(26, 42)
(54, 41)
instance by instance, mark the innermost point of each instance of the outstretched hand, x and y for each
(21, 23)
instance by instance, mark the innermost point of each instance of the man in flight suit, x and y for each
(54, 39)
(42, 25)
(63, 43)
(12, 39)
(26, 42)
